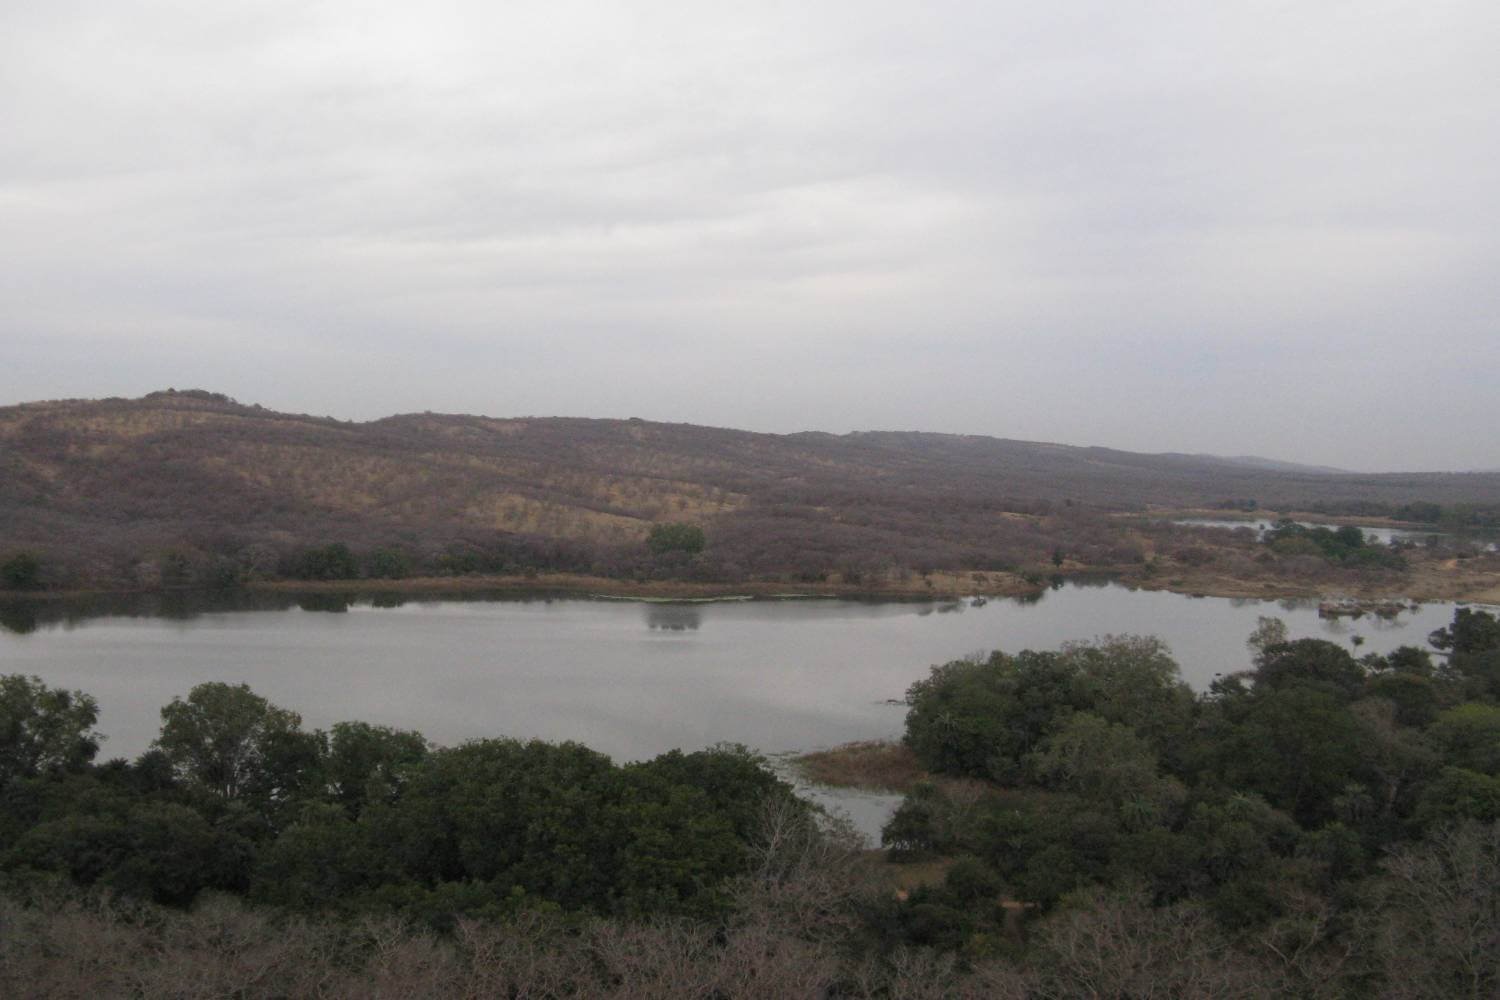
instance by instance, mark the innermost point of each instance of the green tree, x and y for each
(1133, 680)
(22, 571)
(321, 860)
(328, 562)
(1269, 631)
(44, 729)
(1471, 632)
(1469, 737)
(388, 564)
(980, 717)
(1459, 794)
(675, 537)
(230, 741)
(160, 851)
(1311, 663)
(366, 762)
(1107, 762)
(1297, 745)
(735, 779)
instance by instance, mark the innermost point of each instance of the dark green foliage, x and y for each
(231, 743)
(1471, 632)
(321, 860)
(1346, 545)
(1416, 698)
(329, 562)
(1282, 785)
(675, 537)
(1311, 663)
(236, 796)
(1469, 737)
(388, 564)
(734, 780)
(21, 571)
(1297, 746)
(1403, 660)
(44, 729)
(562, 823)
(19, 617)
(1420, 512)
(369, 763)
(980, 718)
(1459, 794)
(156, 850)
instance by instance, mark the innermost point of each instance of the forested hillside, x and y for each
(192, 488)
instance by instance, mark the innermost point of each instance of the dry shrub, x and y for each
(530, 955)
(1115, 945)
(807, 882)
(1438, 929)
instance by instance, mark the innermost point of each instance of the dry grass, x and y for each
(904, 876)
(579, 583)
(1428, 577)
(873, 765)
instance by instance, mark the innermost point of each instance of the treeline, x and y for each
(1451, 515)
(1331, 818)
(789, 544)
(1345, 545)
(236, 796)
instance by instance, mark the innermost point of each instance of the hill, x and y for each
(187, 484)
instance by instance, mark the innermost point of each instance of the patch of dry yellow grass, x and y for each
(875, 765)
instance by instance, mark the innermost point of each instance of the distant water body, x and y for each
(630, 679)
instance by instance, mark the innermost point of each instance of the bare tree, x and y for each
(1439, 931)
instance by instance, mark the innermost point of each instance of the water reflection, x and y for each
(674, 617)
(335, 603)
(24, 615)
(772, 674)
(775, 675)
(19, 618)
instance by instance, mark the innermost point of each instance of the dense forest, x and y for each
(1317, 825)
(185, 489)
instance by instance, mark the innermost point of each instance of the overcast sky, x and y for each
(1232, 227)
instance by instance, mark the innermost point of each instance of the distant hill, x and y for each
(1275, 465)
(104, 484)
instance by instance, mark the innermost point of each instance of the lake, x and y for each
(627, 678)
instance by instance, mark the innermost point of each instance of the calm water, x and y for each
(630, 679)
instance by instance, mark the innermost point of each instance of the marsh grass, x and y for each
(870, 765)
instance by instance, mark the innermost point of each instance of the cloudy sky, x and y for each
(1234, 227)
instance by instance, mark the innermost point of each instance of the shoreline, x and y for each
(1446, 582)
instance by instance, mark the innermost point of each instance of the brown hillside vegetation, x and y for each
(189, 487)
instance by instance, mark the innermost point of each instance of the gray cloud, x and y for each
(1234, 227)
